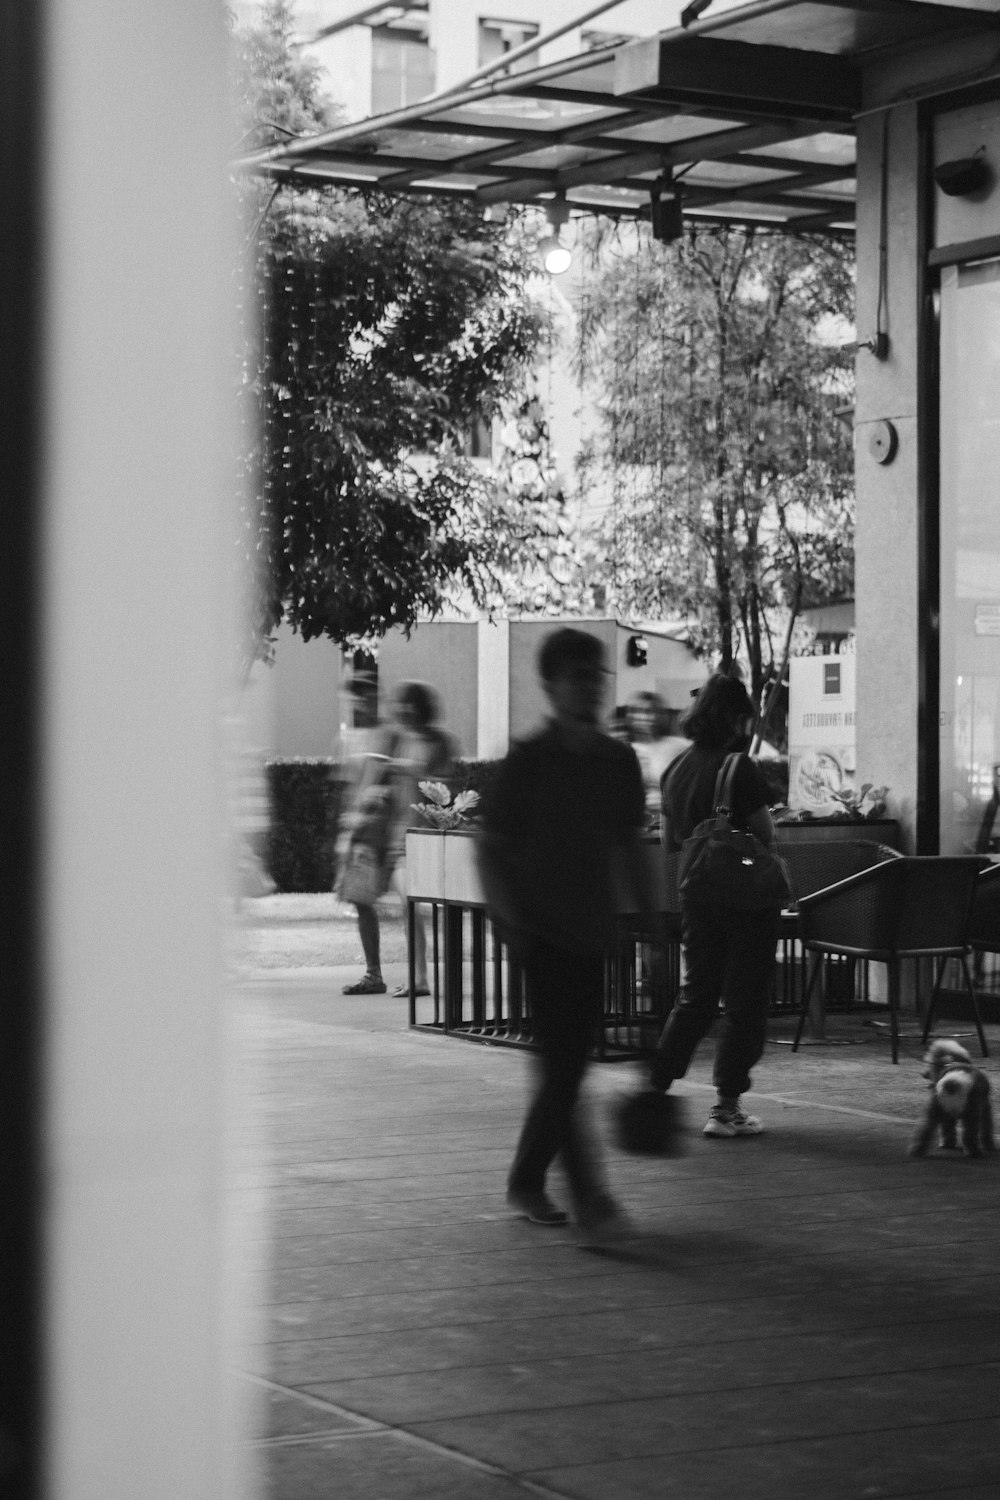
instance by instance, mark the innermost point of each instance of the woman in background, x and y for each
(409, 749)
(728, 953)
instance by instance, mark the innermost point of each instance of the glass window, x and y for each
(970, 558)
(402, 69)
(497, 38)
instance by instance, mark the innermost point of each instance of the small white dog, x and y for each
(960, 1094)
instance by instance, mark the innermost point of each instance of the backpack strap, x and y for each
(725, 782)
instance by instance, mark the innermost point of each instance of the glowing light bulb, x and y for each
(554, 255)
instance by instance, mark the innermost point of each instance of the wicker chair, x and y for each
(814, 864)
(984, 924)
(984, 921)
(907, 907)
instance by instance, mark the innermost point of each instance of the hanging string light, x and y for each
(638, 434)
(662, 422)
(556, 257)
(615, 451)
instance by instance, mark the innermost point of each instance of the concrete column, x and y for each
(888, 541)
(140, 242)
(493, 689)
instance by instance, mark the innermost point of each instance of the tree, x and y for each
(387, 328)
(531, 563)
(725, 462)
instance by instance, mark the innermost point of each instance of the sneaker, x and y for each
(730, 1122)
(370, 984)
(537, 1208)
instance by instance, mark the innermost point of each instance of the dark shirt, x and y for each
(688, 791)
(554, 819)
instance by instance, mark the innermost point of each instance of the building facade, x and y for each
(927, 430)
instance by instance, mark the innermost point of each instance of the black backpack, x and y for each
(723, 865)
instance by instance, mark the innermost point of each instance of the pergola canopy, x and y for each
(752, 113)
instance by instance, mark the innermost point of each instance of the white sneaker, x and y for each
(730, 1122)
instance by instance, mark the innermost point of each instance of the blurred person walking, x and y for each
(647, 719)
(729, 954)
(566, 805)
(371, 848)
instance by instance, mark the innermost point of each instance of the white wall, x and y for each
(454, 35)
(444, 655)
(140, 245)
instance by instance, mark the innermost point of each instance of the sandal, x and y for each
(370, 984)
(402, 991)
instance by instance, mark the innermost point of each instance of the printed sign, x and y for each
(821, 731)
(987, 619)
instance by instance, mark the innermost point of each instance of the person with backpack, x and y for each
(729, 950)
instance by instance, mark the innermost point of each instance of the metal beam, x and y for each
(542, 140)
(414, 114)
(701, 148)
(739, 77)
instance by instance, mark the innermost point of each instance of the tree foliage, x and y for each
(533, 563)
(722, 452)
(387, 327)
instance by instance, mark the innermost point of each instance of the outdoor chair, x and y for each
(984, 922)
(907, 907)
(814, 864)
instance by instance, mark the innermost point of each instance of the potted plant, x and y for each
(439, 865)
(865, 805)
(861, 816)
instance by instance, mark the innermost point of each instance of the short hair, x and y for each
(422, 699)
(712, 719)
(568, 648)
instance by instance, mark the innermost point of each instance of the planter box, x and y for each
(425, 864)
(461, 877)
(819, 830)
(441, 866)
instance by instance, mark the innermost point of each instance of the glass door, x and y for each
(970, 558)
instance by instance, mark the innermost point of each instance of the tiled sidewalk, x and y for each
(804, 1316)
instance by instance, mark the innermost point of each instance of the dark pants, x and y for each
(566, 992)
(729, 955)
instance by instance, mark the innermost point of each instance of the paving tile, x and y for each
(306, 1233)
(282, 1413)
(531, 1438)
(444, 1341)
(800, 1316)
(633, 1305)
(956, 1460)
(383, 1466)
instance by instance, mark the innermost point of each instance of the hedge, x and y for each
(306, 797)
(305, 801)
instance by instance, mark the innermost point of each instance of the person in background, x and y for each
(567, 803)
(655, 748)
(409, 749)
(618, 724)
(423, 752)
(728, 954)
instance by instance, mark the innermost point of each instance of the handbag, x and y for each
(364, 867)
(363, 876)
(650, 1124)
(728, 866)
